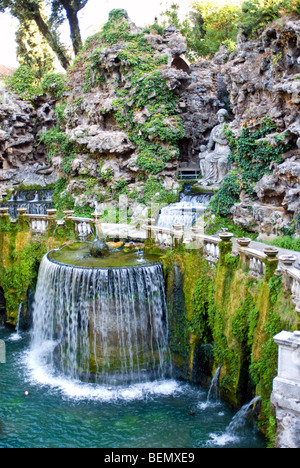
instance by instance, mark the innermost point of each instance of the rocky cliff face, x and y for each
(136, 110)
(22, 158)
(263, 80)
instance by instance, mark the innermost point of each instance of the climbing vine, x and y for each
(253, 154)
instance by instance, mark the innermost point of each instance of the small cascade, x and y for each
(35, 201)
(186, 211)
(233, 431)
(17, 335)
(213, 392)
(102, 325)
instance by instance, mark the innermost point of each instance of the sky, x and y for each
(95, 14)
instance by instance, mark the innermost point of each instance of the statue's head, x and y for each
(222, 115)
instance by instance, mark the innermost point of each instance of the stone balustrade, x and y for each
(211, 248)
(38, 223)
(83, 226)
(291, 282)
(165, 237)
(254, 261)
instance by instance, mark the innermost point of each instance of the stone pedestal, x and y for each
(286, 390)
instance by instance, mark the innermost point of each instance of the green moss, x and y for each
(20, 275)
(231, 316)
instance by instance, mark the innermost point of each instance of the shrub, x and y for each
(252, 154)
(54, 84)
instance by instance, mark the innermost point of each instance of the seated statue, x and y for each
(214, 162)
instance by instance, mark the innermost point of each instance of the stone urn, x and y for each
(288, 260)
(244, 241)
(226, 236)
(271, 252)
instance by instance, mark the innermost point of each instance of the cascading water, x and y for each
(234, 430)
(35, 201)
(105, 325)
(186, 211)
(17, 335)
(213, 392)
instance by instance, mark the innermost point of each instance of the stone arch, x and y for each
(180, 64)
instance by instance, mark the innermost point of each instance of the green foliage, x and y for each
(244, 323)
(16, 280)
(24, 83)
(120, 186)
(208, 25)
(213, 23)
(33, 50)
(154, 191)
(27, 85)
(148, 91)
(256, 14)
(287, 242)
(202, 303)
(54, 84)
(252, 154)
(227, 195)
(117, 28)
(219, 25)
(216, 223)
(57, 142)
(62, 199)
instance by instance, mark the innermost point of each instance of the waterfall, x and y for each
(234, 429)
(102, 325)
(240, 417)
(17, 336)
(213, 389)
(186, 211)
(35, 201)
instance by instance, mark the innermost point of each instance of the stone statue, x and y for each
(214, 162)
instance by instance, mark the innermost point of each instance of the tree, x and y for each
(33, 51)
(71, 7)
(220, 20)
(256, 14)
(32, 10)
(208, 25)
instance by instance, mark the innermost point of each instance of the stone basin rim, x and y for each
(55, 262)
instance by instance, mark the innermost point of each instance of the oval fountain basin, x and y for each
(78, 254)
(102, 320)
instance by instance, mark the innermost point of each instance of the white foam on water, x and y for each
(15, 337)
(43, 373)
(208, 404)
(221, 440)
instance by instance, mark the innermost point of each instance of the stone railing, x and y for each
(165, 237)
(254, 260)
(83, 226)
(291, 281)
